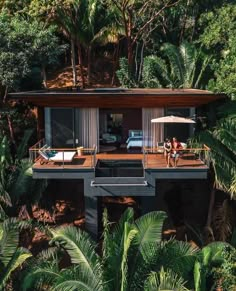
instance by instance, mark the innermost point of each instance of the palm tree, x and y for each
(17, 187)
(11, 256)
(180, 67)
(130, 252)
(221, 140)
(164, 280)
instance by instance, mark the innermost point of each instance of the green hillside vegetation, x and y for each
(133, 44)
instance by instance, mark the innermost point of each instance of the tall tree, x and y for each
(182, 66)
(138, 18)
(219, 37)
(221, 139)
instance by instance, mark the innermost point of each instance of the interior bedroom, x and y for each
(120, 130)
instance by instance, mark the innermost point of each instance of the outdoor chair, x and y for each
(47, 156)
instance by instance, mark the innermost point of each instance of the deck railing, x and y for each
(35, 154)
(83, 153)
(198, 153)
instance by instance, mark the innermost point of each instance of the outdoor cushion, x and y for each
(68, 157)
(58, 156)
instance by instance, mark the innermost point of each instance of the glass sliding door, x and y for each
(152, 132)
(62, 127)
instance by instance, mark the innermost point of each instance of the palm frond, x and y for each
(23, 147)
(212, 253)
(225, 131)
(9, 241)
(18, 258)
(178, 256)
(200, 274)
(175, 61)
(114, 249)
(4, 196)
(149, 232)
(5, 156)
(129, 234)
(21, 180)
(73, 278)
(149, 228)
(81, 250)
(222, 221)
(189, 56)
(155, 73)
(163, 281)
(227, 110)
(108, 34)
(127, 216)
(204, 64)
(41, 274)
(73, 285)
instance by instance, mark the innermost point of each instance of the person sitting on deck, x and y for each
(176, 146)
(167, 151)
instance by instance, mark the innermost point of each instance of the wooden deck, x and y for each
(153, 161)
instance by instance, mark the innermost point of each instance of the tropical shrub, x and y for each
(131, 251)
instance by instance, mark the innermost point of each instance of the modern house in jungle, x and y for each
(104, 140)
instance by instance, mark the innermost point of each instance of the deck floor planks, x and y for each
(153, 161)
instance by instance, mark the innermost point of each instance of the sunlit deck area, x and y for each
(152, 161)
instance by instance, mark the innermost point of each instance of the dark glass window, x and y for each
(62, 127)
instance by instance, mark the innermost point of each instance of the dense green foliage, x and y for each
(17, 187)
(11, 255)
(219, 38)
(179, 67)
(151, 44)
(23, 46)
(134, 257)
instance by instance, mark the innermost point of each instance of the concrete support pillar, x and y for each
(91, 216)
(91, 208)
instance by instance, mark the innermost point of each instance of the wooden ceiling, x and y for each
(118, 98)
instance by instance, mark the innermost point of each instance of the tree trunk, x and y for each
(141, 64)
(89, 64)
(115, 62)
(44, 75)
(81, 64)
(5, 95)
(211, 206)
(12, 137)
(73, 62)
(208, 229)
(130, 53)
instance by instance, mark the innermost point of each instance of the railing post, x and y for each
(63, 155)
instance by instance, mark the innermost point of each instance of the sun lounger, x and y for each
(65, 157)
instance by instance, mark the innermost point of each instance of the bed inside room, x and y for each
(117, 126)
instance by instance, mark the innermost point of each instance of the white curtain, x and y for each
(87, 126)
(152, 132)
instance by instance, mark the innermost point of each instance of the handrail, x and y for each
(63, 149)
(40, 145)
(37, 143)
(180, 149)
(202, 152)
(205, 146)
(94, 184)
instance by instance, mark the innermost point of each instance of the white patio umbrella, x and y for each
(172, 119)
